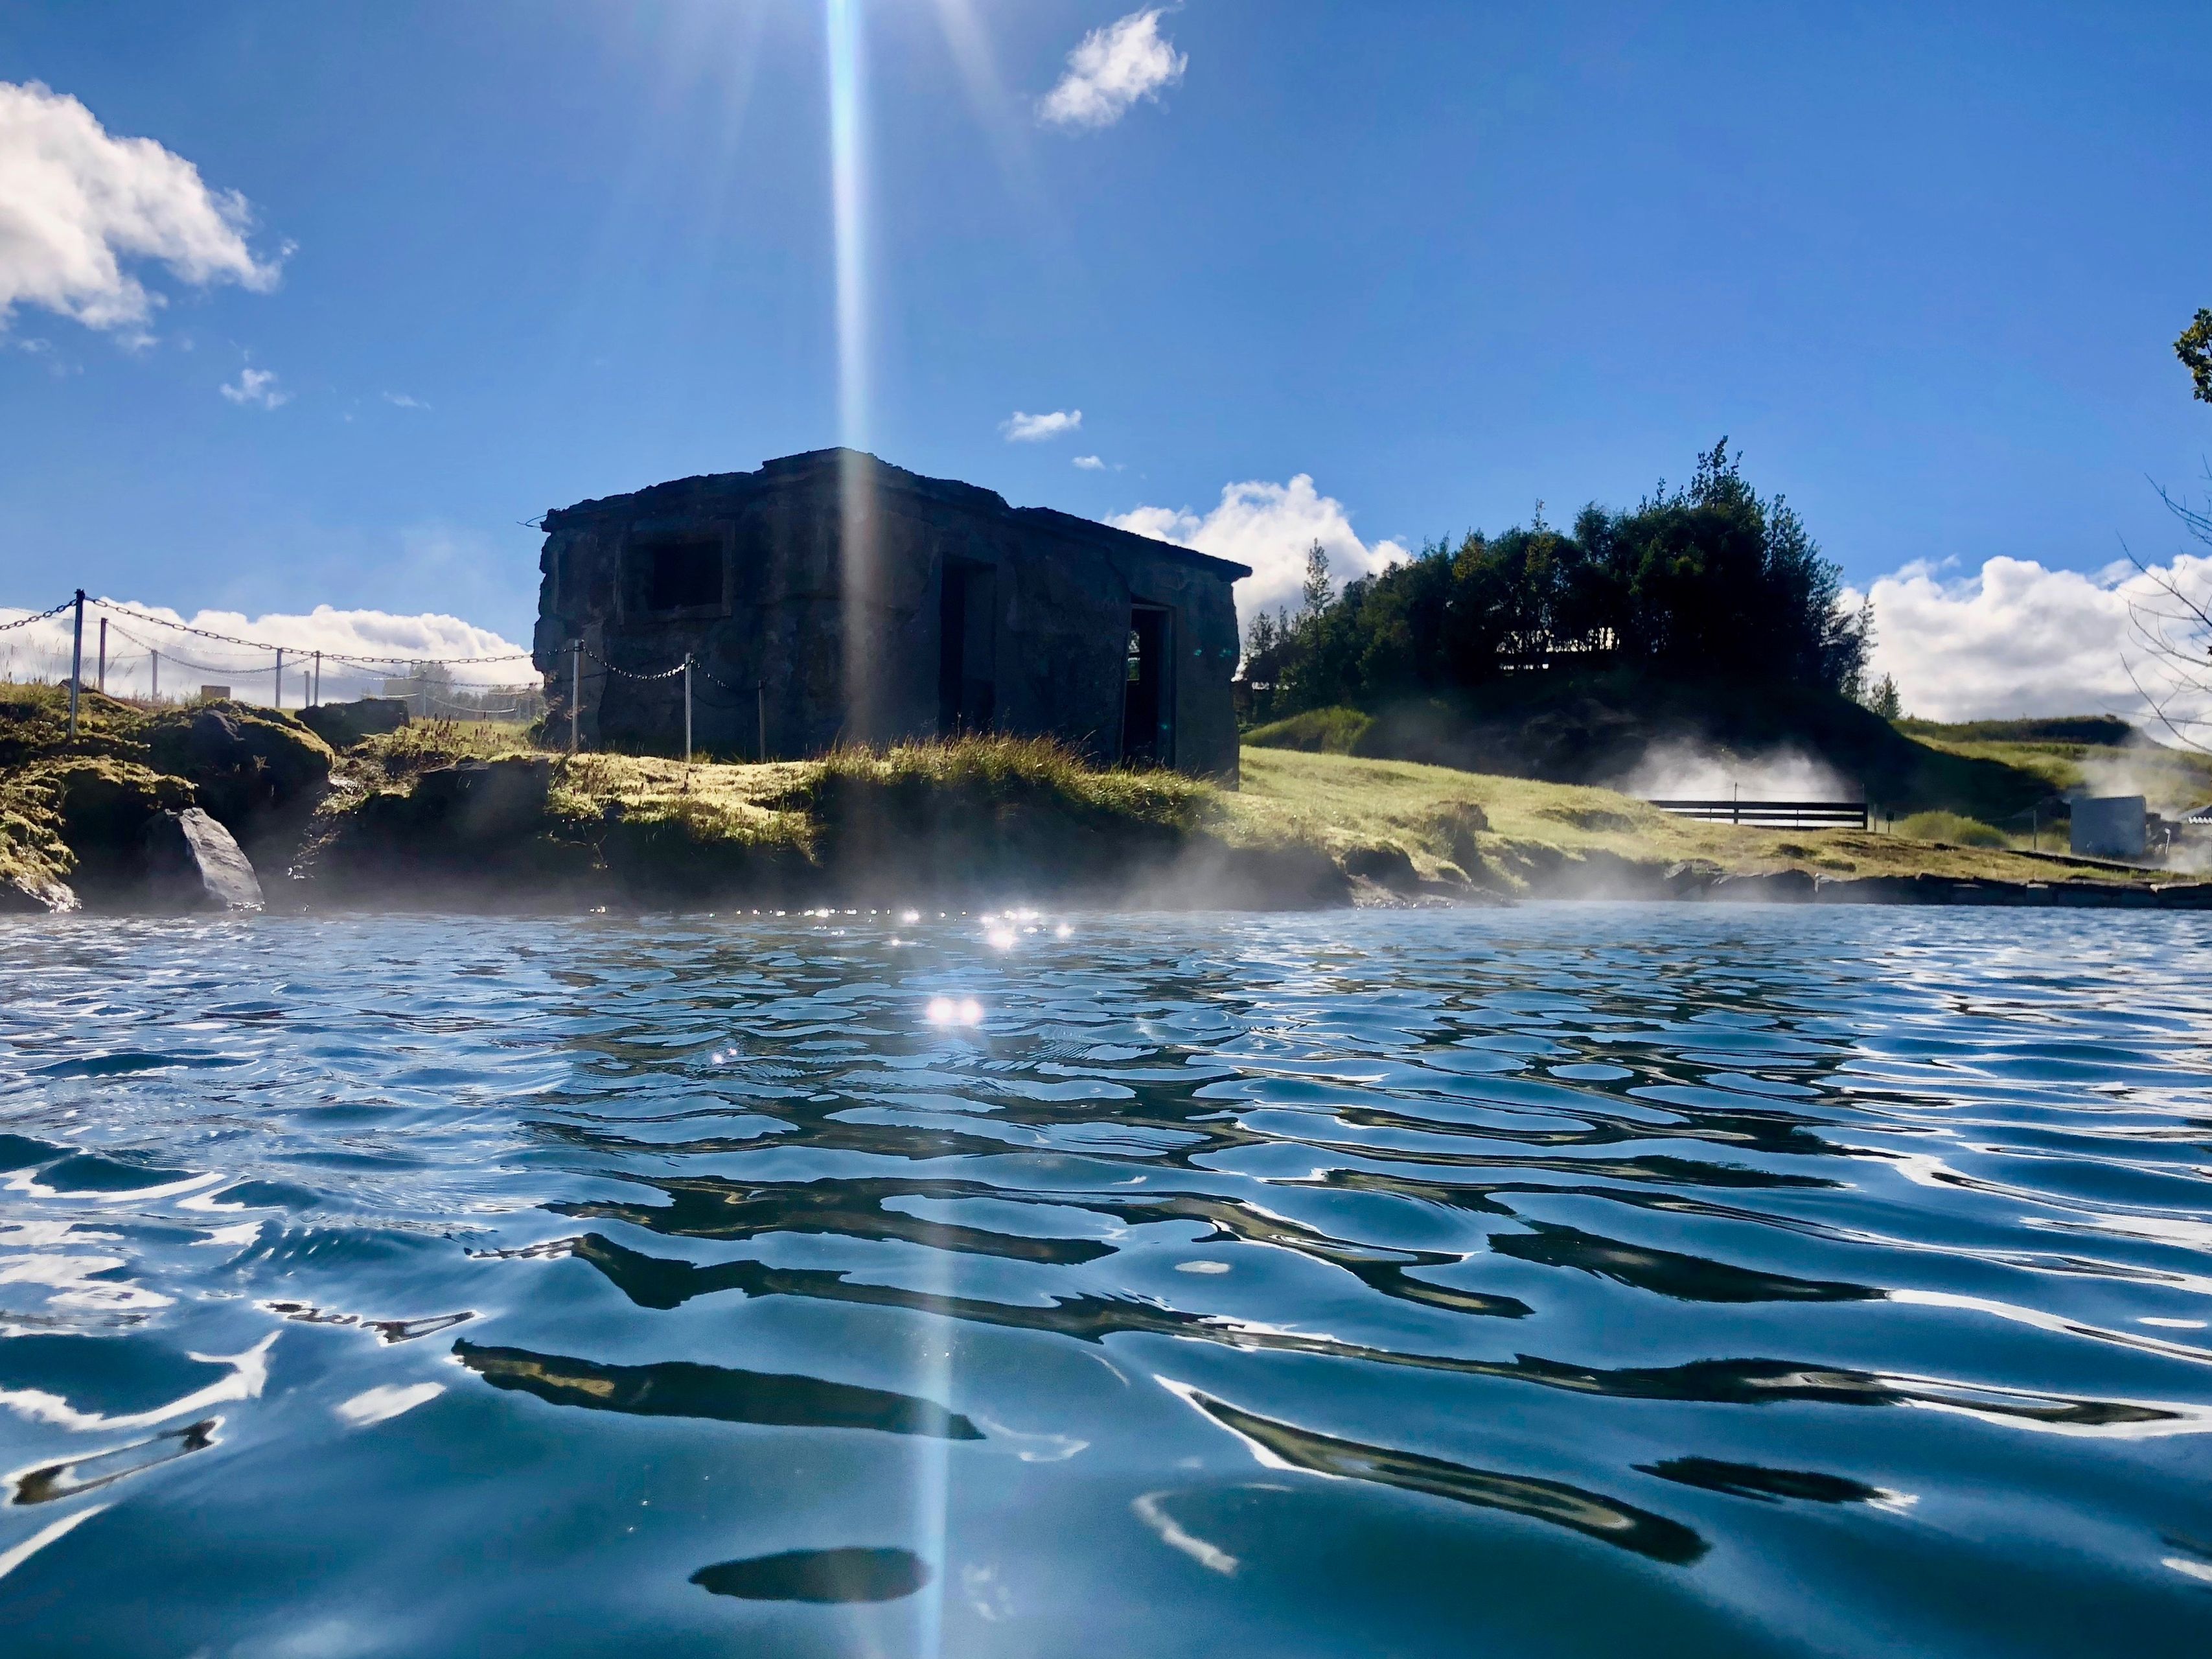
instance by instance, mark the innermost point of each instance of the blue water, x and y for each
(1550, 1281)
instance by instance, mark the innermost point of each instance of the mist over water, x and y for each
(1562, 1280)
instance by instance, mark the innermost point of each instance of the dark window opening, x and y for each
(1147, 733)
(968, 648)
(678, 573)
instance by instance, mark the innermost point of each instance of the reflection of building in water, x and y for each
(831, 598)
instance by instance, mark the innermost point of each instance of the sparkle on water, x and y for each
(1597, 1280)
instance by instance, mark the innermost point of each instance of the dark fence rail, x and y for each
(1773, 814)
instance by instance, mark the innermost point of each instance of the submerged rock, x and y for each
(1774, 887)
(193, 863)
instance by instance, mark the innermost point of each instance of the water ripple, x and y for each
(1584, 1279)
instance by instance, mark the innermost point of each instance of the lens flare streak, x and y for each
(847, 197)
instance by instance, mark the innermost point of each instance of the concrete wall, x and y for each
(831, 571)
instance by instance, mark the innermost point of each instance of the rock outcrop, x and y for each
(245, 764)
(104, 807)
(344, 724)
(24, 892)
(193, 863)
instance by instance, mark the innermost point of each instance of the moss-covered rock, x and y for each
(246, 762)
(106, 803)
(342, 725)
(34, 725)
(35, 859)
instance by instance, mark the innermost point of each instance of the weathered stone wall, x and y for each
(820, 579)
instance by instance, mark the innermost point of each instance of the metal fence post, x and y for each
(687, 708)
(315, 691)
(760, 717)
(154, 691)
(575, 691)
(279, 677)
(76, 662)
(102, 681)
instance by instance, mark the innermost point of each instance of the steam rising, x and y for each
(1691, 771)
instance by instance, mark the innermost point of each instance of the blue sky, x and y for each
(1923, 263)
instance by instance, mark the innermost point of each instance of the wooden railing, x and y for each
(1773, 814)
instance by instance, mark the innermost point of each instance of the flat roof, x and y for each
(679, 495)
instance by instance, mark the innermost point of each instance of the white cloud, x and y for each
(1090, 464)
(1038, 428)
(401, 400)
(77, 204)
(256, 386)
(1269, 526)
(41, 651)
(2017, 639)
(1111, 69)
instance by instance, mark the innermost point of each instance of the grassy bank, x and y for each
(446, 813)
(1525, 834)
(985, 814)
(457, 810)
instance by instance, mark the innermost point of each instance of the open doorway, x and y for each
(1148, 690)
(968, 648)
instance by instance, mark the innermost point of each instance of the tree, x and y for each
(2170, 621)
(1319, 590)
(1705, 580)
(2170, 609)
(2194, 347)
(1882, 699)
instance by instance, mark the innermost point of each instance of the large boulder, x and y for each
(341, 725)
(193, 863)
(244, 763)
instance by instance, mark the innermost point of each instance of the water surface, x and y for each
(1559, 1280)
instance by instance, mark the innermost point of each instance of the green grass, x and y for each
(2173, 781)
(2104, 730)
(987, 771)
(421, 745)
(1952, 829)
(1343, 801)
(1318, 731)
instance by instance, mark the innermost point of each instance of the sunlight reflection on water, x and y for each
(1593, 1278)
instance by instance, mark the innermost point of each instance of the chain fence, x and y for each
(426, 681)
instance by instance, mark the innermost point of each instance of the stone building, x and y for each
(831, 598)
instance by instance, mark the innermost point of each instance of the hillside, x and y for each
(1600, 729)
(2096, 753)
